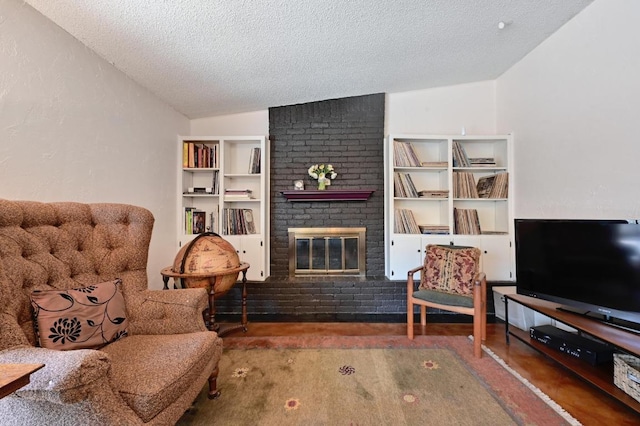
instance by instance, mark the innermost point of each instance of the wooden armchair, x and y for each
(450, 280)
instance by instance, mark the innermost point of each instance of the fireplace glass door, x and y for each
(326, 251)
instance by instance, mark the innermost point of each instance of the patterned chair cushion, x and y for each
(80, 318)
(450, 269)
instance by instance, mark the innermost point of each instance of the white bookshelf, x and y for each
(434, 172)
(233, 171)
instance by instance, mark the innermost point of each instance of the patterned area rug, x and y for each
(367, 381)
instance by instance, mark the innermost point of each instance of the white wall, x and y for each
(443, 110)
(574, 106)
(245, 124)
(73, 128)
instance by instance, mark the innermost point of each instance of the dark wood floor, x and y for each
(582, 401)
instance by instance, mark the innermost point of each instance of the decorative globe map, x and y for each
(208, 254)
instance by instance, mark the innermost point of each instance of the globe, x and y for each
(208, 253)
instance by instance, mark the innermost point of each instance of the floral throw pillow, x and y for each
(80, 318)
(450, 269)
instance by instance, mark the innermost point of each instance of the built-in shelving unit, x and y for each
(432, 196)
(223, 187)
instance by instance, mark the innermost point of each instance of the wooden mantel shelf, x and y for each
(329, 195)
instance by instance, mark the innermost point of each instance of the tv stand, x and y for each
(600, 376)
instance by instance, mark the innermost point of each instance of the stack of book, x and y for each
(434, 229)
(433, 193)
(482, 162)
(403, 186)
(254, 161)
(238, 194)
(466, 221)
(493, 186)
(238, 222)
(464, 185)
(405, 223)
(404, 155)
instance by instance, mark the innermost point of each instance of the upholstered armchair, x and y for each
(147, 372)
(450, 280)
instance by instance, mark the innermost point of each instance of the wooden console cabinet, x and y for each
(600, 376)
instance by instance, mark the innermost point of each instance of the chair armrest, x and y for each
(412, 272)
(66, 377)
(167, 311)
(410, 279)
(480, 280)
(479, 289)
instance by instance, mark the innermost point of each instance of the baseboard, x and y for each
(351, 317)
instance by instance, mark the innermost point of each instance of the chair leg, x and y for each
(477, 336)
(423, 315)
(214, 393)
(484, 323)
(484, 320)
(410, 320)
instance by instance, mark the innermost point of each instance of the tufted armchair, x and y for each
(150, 376)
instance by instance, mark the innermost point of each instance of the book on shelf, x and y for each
(404, 155)
(238, 194)
(250, 225)
(460, 158)
(238, 222)
(405, 222)
(433, 193)
(199, 155)
(215, 182)
(434, 229)
(199, 221)
(493, 186)
(185, 155)
(482, 162)
(254, 161)
(434, 164)
(398, 188)
(466, 221)
(464, 185)
(213, 222)
(195, 221)
(403, 186)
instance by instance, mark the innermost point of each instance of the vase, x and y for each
(322, 184)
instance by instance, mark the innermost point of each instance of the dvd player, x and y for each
(573, 344)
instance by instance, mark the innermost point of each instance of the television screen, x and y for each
(592, 266)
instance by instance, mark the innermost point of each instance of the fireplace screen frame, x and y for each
(330, 237)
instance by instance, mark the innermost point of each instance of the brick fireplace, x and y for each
(347, 133)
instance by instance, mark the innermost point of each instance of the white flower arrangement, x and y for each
(322, 171)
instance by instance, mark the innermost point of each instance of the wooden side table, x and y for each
(15, 376)
(214, 278)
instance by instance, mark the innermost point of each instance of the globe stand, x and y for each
(215, 281)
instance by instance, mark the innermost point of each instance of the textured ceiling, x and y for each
(208, 58)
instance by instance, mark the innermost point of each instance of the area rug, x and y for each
(367, 381)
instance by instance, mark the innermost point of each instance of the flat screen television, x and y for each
(590, 267)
